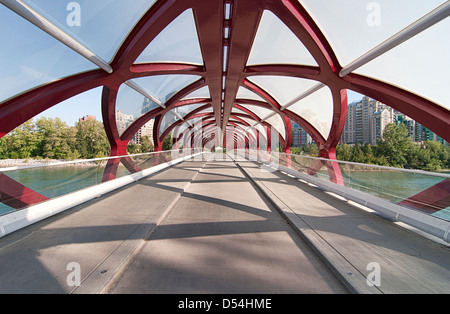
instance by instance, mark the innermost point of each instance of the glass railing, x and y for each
(23, 186)
(427, 192)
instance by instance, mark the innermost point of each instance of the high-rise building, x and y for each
(299, 136)
(145, 130)
(365, 121)
(417, 131)
(349, 134)
(380, 120)
(123, 121)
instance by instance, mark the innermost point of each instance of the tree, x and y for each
(311, 150)
(344, 152)
(395, 144)
(358, 154)
(58, 140)
(91, 139)
(146, 144)
(3, 148)
(295, 150)
(22, 142)
(168, 142)
(133, 148)
(430, 155)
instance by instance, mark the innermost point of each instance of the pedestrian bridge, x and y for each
(219, 223)
(229, 83)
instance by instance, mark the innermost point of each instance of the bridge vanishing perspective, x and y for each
(229, 209)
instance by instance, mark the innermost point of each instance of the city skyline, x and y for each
(88, 104)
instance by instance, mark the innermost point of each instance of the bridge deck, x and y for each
(197, 227)
(203, 227)
(352, 238)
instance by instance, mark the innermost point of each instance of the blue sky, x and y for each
(70, 110)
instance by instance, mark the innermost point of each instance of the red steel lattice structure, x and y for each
(242, 24)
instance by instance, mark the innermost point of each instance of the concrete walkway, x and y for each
(197, 227)
(222, 237)
(356, 243)
(98, 237)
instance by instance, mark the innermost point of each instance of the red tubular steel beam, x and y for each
(16, 195)
(432, 199)
(209, 20)
(22, 108)
(244, 24)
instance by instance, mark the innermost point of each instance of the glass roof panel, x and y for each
(423, 71)
(174, 115)
(180, 129)
(282, 88)
(130, 105)
(29, 57)
(245, 93)
(210, 109)
(165, 86)
(262, 131)
(259, 111)
(251, 131)
(317, 109)
(169, 118)
(353, 27)
(202, 92)
(241, 127)
(247, 120)
(100, 25)
(184, 110)
(236, 110)
(275, 43)
(277, 124)
(178, 42)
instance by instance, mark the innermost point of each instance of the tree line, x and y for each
(53, 139)
(395, 149)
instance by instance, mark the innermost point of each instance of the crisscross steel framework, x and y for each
(242, 23)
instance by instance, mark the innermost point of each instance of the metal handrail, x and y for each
(415, 171)
(61, 163)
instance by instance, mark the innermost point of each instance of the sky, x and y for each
(70, 110)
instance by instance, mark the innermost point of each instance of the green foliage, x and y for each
(57, 140)
(91, 139)
(146, 145)
(395, 145)
(395, 149)
(52, 138)
(310, 150)
(168, 142)
(295, 150)
(133, 148)
(22, 142)
(430, 155)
